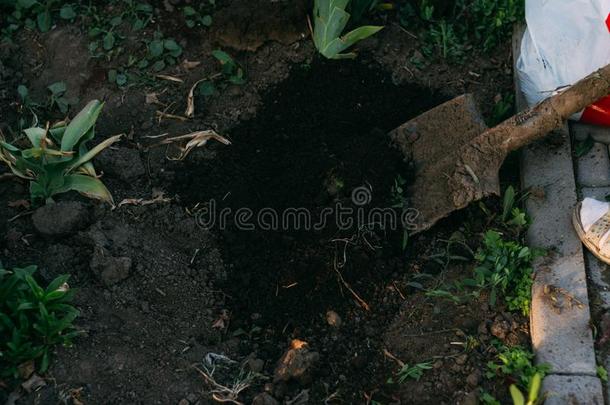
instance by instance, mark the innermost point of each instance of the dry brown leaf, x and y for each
(157, 197)
(152, 98)
(190, 100)
(194, 140)
(222, 321)
(170, 78)
(188, 65)
(25, 204)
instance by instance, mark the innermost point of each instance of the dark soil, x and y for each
(158, 291)
(325, 124)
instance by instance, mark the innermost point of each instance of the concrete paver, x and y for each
(572, 389)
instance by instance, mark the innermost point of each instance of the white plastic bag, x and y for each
(565, 40)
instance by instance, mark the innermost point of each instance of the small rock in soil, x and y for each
(296, 363)
(33, 383)
(472, 398)
(256, 365)
(474, 378)
(123, 163)
(61, 218)
(264, 399)
(110, 270)
(500, 328)
(461, 360)
(333, 319)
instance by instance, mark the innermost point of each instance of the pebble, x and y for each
(264, 398)
(474, 378)
(471, 398)
(256, 365)
(461, 359)
(333, 319)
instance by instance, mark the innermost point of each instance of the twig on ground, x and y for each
(21, 214)
(349, 288)
(390, 356)
(162, 115)
(7, 176)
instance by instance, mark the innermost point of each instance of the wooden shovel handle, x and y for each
(534, 123)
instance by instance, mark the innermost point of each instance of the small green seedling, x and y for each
(532, 394)
(58, 97)
(199, 14)
(161, 52)
(517, 363)
(58, 159)
(33, 319)
(414, 372)
(602, 373)
(231, 71)
(330, 19)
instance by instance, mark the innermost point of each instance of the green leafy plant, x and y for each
(504, 268)
(502, 109)
(161, 52)
(199, 13)
(451, 29)
(511, 215)
(231, 71)
(517, 363)
(583, 147)
(533, 392)
(442, 40)
(330, 19)
(104, 28)
(602, 373)
(58, 159)
(414, 372)
(58, 97)
(33, 319)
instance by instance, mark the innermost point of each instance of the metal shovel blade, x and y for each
(438, 144)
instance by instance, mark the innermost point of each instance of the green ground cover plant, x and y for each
(33, 319)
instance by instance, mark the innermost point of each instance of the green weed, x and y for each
(533, 392)
(58, 159)
(504, 269)
(450, 31)
(58, 98)
(33, 319)
(231, 70)
(602, 373)
(517, 363)
(199, 13)
(581, 148)
(104, 29)
(414, 372)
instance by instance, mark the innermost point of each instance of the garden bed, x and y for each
(159, 287)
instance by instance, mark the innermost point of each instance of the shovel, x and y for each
(456, 158)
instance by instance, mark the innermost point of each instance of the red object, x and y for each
(597, 113)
